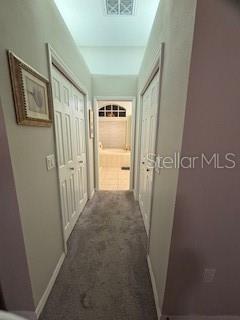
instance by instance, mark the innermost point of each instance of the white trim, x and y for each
(50, 285)
(156, 61)
(135, 194)
(160, 64)
(154, 287)
(147, 227)
(157, 68)
(96, 133)
(92, 194)
(57, 60)
(138, 148)
(30, 315)
(133, 139)
(52, 53)
(54, 58)
(140, 94)
(89, 107)
(96, 144)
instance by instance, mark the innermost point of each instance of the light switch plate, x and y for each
(50, 161)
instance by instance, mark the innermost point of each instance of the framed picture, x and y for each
(31, 93)
(91, 124)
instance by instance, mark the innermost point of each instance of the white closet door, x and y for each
(143, 158)
(148, 148)
(80, 148)
(68, 110)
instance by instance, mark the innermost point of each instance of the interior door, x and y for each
(68, 114)
(143, 158)
(148, 148)
(80, 148)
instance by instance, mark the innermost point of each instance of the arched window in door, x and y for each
(112, 110)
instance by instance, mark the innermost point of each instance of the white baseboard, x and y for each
(30, 315)
(195, 317)
(92, 194)
(45, 295)
(154, 287)
(135, 195)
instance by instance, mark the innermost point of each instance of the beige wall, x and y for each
(15, 285)
(25, 27)
(118, 86)
(37, 22)
(174, 25)
(207, 219)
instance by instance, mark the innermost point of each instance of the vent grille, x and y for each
(120, 7)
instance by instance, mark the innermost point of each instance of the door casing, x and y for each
(157, 67)
(96, 131)
(150, 115)
(55, 60)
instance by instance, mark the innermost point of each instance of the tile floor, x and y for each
(114, 178)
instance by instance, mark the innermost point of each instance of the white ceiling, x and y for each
(109, 44)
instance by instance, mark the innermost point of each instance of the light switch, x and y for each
(50, 161)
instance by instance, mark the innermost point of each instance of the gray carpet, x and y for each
(105, 274)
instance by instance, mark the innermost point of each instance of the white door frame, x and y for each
(157, 67)
(54, 60)
(96, 130)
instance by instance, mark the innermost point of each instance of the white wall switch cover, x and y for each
(50, 161)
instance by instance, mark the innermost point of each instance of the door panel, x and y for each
(79, 180)
(80, 147)
(70, 138)
(65, 207)
(77, 137)
(148, 146)
(59, 136)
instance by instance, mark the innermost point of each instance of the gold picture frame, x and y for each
(31, 93)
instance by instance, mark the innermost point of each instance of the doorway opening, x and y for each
(114, 144)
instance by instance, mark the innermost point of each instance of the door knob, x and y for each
(148, 170)
(143, 162)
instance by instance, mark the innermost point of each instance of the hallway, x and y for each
(105, 274)
(120, 159)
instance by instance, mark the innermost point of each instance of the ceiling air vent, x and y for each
(120, 7)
